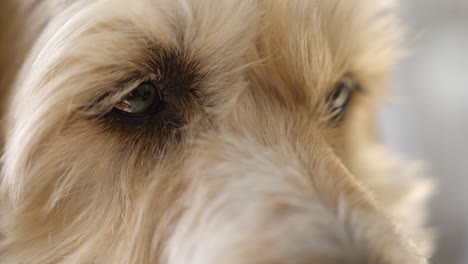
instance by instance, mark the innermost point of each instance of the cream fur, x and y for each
(255, 173)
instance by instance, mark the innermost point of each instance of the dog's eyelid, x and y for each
(111, 96)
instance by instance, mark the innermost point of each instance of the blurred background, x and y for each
(428, 119)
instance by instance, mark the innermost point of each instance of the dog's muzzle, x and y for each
(250, 203)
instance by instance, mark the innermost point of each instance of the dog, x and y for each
(203, 131)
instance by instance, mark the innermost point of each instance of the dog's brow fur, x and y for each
(243, 163)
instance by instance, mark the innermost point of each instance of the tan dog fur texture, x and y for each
(247, 168)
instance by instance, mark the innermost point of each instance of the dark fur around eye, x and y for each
(178, 85)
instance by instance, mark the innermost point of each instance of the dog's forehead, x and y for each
(333, 32)
(300, 46)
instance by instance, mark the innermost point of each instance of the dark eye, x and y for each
(143, 100)
(342, 95)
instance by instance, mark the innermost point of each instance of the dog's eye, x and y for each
(342, 95)
(143, 100)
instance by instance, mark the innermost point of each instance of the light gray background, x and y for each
(429, 118)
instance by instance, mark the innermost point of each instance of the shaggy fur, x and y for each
(245, 164)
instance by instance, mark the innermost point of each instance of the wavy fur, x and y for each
(246, 165)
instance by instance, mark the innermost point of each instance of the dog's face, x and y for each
(162, 131)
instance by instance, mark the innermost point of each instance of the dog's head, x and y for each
(162, 131)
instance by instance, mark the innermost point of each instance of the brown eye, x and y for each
(342, 95)
(143, 100)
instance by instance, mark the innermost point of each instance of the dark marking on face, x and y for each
(180, 85)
